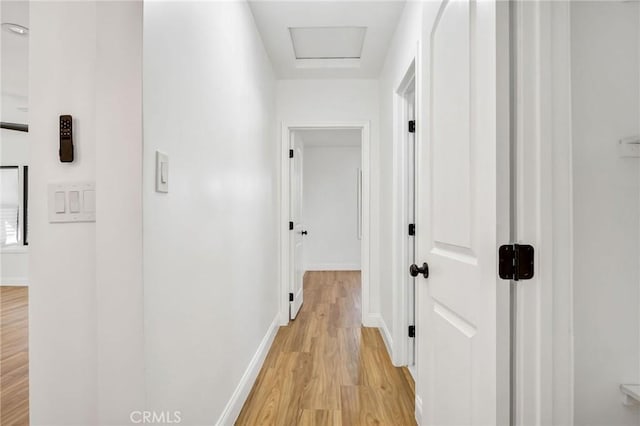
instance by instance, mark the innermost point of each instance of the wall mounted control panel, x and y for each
(72, 202)
(66, 139)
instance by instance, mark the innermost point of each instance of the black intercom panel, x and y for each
(66, 139)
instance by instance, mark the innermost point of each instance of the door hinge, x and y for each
(290, 297)
(290, 226)
(516, 262)
(290, 153)
(412, 126)
(412, 229)
(412, 331)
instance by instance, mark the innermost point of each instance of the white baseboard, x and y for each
(376, 320)
(386, 336)
(240, 394)
(15, 282)
(418, 409)
(332, 267)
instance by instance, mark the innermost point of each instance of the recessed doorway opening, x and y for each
(404, 220)
(324, 207)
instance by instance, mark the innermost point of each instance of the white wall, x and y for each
(14, 266)
(210, 244)
(330, 207)
(300, 101)
(85, 304)
(119, 210)
(14, 148)
(605, 89)
(63, 300)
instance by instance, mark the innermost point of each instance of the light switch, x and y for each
(162, 172)
(74, 201)
(89, 201)
(59, 202)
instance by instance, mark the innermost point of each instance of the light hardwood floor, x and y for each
(326, 369)
(14, 356)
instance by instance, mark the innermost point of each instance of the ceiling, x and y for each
(15, 63)
(321, 19)
(330, 137)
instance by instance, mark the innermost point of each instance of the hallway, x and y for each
(324, 368)
(286, 212)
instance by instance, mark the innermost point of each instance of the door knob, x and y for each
(415, 270)
(304, 232)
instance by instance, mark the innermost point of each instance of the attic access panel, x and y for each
(327, 42)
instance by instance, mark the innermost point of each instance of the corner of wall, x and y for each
(375, 320)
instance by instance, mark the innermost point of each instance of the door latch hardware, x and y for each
(412, 229)
(290, 226)
(290, 297)
(412, 331)
(516, 262)
(412, 126)
(416, 270)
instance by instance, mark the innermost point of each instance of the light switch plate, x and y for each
(68, 202)
(162, 172)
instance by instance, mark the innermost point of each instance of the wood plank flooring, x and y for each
(14, 356)
(326, 369)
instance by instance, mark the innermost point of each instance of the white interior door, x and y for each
(298, 232)
(463, 213)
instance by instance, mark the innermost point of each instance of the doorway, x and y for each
(578, 184)
(325, 205)
(14, 203)
(404, 219)
(297, 228)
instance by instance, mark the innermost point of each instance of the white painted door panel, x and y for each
(459, 204)
(298, 227)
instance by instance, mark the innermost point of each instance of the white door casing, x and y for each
(369, 318)
(406, 107)
(410, 240)
(297, 236)
(544, 327)
(463, 212)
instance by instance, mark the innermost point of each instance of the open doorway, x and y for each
(325, 204)
(404, 219)
(325, 207)
(14, 178)
(578, 204)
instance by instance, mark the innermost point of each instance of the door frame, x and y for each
(284, 242)
(544, 392)
(400, 350)
(296, 238)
